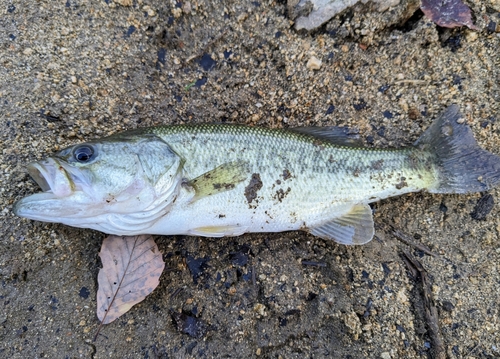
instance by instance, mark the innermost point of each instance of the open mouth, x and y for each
(36, 172)
(51, 177)
(54, 202)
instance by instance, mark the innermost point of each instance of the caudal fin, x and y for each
(464, 166)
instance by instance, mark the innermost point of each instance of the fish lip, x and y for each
(51, 177)
(46, 207)
(56, 184)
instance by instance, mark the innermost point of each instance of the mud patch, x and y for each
(253, 187)
(280, 194)
(402, 184)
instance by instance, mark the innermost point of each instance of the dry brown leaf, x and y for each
(131, 268)
(448, 13)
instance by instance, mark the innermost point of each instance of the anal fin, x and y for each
(222, 178)
(353, 228)
(218, 231)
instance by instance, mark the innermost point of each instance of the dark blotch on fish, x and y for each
(226, 186)
(377, 165)
(483, 206)
(253, 187)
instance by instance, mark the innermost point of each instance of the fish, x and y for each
(217, 180)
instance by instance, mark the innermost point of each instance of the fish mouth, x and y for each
(56, 185)
(52, 177)
(36, 173)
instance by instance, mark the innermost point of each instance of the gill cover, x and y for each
(152, 192)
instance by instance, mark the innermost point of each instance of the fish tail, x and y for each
(463, 166)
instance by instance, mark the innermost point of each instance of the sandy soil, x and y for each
(75, 70)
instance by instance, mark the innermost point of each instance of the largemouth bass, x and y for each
(218, 180)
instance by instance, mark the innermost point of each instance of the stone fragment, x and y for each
(311, 14)
(313, 63)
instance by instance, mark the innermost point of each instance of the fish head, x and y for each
(118, 185)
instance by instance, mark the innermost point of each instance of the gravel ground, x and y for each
(71, 71)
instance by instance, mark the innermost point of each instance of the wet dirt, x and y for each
(75, 70)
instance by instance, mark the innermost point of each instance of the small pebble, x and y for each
(314, 63)
(471, 35)
(124, 2)
(186, 7)
(259, 309)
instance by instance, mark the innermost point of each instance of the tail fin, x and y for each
(465, 167)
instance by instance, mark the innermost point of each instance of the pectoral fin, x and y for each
(220, 179)
(354, 227)
(218, 231)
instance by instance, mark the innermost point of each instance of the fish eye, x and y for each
(83, 153)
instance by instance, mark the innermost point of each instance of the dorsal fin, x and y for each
(342, 136)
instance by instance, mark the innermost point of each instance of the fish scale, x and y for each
(314, 173)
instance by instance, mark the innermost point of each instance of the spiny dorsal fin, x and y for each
(220, 179)
(341, 136)
(354, 227)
